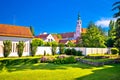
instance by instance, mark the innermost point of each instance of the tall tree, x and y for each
(111, 34)
(116, 6)
(93, 37)
(32, 30)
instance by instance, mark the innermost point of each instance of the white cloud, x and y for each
(104, 22)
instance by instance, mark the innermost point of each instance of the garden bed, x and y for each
(99, 62)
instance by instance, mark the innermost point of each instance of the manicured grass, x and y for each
(47, 71)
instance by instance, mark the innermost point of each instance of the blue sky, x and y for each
(55, 16)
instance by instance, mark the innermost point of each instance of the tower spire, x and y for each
(78, 16)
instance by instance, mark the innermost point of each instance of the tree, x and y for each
(38, 41)
(33, 47)
(7, 47)
(20, 48)
(117, 39)
(111, 34)
(32, 30)
(116, 6)
(54, 45)
(93, 37)
(70, 44)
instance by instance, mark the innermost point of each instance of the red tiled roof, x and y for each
(42, 36)
(15, 31)
(63, 41)
(67, 35)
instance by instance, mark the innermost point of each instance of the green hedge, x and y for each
(73, 52)
(8, 62)
(114, 50)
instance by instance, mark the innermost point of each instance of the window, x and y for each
(14, 47)
(48, 40)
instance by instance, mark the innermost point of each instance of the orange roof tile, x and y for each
(15, 31)
(84, 30)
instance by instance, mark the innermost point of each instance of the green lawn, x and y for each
(47, 71)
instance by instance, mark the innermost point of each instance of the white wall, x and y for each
(85, 51)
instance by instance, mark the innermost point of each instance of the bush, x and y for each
(44, 53)
(79, 53)
(61, 48)
(20, 47)
(73, 52)
(33, 47)
(65, 60)
(68, 51)
(46, 59)
(7, 47)
(114, 50)
(54, 50)
(18, 61)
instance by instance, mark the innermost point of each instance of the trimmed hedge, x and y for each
(73, 52)
(114, 50)
(9, 62)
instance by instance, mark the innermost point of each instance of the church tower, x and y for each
(78, 28)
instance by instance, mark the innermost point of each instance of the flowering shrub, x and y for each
(47, 59)
(62, 59)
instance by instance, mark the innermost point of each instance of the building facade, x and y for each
(15, 34)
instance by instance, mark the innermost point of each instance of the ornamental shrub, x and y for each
(61, 48)
(20, 48)
(33, 47)
(64, 60)
(7, 47)
(68, 51)
(114, 50)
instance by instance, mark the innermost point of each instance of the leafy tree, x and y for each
(111, 34)
(54, 43)
(93, 37)
(70, 44)
(20, 47)
(32, 30)
(54, 47)
(117, 39)
(116, 6)
(38, 41)
(47, 44)
(7, 47)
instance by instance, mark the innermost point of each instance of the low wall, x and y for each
(85, 51)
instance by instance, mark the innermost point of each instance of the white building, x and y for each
(15, 34)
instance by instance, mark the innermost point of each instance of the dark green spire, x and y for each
(78, 16)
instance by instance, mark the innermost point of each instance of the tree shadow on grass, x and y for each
(43, 66)
(107, 73)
